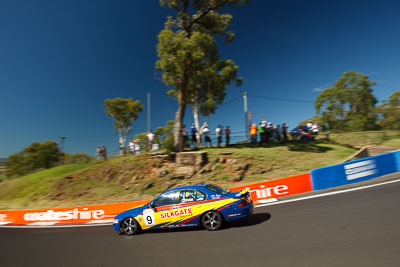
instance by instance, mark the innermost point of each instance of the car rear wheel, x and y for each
(212, 220)
(130, 226)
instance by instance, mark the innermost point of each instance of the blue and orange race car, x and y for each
(203, 204)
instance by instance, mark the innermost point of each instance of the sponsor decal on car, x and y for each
(360, 169)
(176, 213)
(3, 217)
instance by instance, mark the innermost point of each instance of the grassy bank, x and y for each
(141, 176)
(359, 139)
(136, 177)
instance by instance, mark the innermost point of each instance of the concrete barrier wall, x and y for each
(354, 171)
(263, 192)
(95, 214)
(397, 160)
(322, 178)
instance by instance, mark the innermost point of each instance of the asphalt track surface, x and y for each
(359, 228)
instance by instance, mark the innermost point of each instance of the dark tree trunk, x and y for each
(180, 114)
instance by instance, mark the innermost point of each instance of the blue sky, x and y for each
(59, 61)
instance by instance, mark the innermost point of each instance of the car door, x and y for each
(176, 210)
(159, 213)
(191, 207)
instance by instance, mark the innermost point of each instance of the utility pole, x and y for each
(62, 138)
(246, 116)
(148, 113)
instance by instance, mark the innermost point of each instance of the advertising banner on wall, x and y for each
(353, 171)
(74, 215)
(264, 191)
(397, 160)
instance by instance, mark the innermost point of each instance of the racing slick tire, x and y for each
(212, 220)
(130, 226)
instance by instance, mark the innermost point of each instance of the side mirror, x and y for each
(151, 205)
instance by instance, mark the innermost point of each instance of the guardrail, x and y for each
(263, 192)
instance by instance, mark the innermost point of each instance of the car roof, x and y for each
(193, 186)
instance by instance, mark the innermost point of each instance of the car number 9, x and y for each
(148, 216)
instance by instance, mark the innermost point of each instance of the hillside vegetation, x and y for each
(142, 176)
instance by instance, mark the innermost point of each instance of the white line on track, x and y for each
(326, 194)
(273, 202)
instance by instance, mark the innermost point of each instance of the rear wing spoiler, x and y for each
(242, 193)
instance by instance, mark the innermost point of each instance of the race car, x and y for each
(203, 204)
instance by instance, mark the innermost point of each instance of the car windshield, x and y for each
(217, 189)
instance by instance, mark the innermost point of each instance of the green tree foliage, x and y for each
(348, 104)
(189, 58)
(142, 139)
(34, 157)
(124, 111)
(315, 120)
(164, 136)
(389, 112)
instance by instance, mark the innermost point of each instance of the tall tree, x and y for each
(212, 83)
(188, 51)
(348, 104)
(389, 112)
(34, 157)
(124, 111)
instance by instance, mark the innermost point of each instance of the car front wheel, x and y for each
(212, 220)
(130, 226)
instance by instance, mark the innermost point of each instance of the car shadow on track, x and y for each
(254, 219)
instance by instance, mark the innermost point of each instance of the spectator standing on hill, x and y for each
(262, 133)
(185, 136)
(227, 135)
(206, 133)
(309, 126)
(218, 133)
(268, 130)
(264, 126)
(103, 152)
(315, 129)
(131, 146)
(264, 122)
(284, 131)
(98, 152)
(150, 139)
(253, 133)
(193, 132)
(275, 135)
(137, 146)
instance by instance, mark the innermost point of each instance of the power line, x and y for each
(230, 101)
(281, 99)
(93, 136)
(99, 136)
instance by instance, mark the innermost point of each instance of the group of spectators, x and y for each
(205, 131)
(268, 132)
(264, 133)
